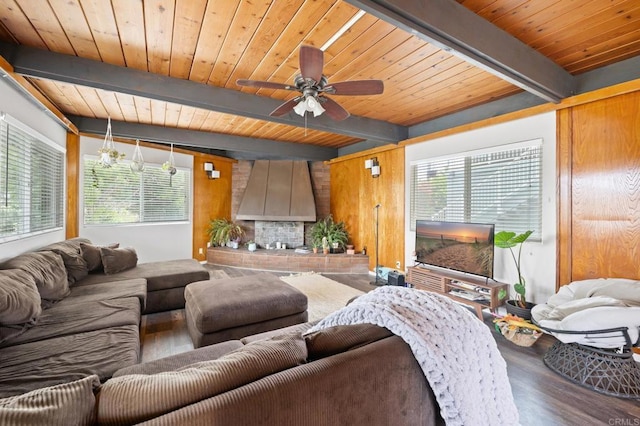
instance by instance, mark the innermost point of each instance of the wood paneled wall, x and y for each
(73, 184)
(599, 189)
(355, 193)
(211, 198)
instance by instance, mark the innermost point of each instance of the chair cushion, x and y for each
(592, 305)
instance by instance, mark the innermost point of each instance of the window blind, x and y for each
(31, 181)
(501, 187)
(116, 195)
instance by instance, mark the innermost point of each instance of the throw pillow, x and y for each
(91, 255)
(47, 268)
(65, 404)
(118, 259)
(71, 255)
(161, 393)
(19, 303)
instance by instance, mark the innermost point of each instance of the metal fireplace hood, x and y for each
(278, 190)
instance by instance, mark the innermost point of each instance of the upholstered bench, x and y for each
(232, 308)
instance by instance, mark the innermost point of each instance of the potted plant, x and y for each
(251, 245)
(508, 240)
(335, 233)
(325, 245)
(318, 231)
(223, 231)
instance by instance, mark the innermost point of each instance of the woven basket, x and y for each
(515, 335)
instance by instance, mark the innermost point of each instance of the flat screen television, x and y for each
(463, 247)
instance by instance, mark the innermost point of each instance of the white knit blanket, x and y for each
(456, 351)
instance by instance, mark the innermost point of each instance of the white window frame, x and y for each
(462, 197)
(54, 207)
(87, 174)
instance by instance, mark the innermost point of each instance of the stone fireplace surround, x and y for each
(289, 233)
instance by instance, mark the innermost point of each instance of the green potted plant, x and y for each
(223, 231)
(509, 240)
(334, 233)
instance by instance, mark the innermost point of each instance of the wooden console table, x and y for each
(459, 287)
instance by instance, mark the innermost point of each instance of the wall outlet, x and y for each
(200, 250)
(397, 264)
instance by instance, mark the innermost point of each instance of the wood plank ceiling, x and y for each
(216, 42)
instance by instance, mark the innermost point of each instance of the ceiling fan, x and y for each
(313, 86)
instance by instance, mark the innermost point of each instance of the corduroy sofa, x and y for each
(355, 375)
(72, 309)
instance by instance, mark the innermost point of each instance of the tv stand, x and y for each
(476, 292)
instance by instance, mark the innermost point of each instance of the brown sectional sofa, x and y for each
(59, 322)
(355, 375)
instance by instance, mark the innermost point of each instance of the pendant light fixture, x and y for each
(170, 165)
(137, 162)
(108, 153)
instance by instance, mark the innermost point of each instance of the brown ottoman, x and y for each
(227, 309)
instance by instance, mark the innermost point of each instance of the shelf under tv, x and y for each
(441, 281)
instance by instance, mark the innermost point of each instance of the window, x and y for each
(117, 195)
(31, 181)
(501, 187)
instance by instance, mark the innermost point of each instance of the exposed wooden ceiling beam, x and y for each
(38, 63)
(454, 28)
(256, 148)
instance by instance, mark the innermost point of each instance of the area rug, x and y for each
(324, 295)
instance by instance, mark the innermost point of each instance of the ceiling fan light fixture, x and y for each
(300, 108)
(310, 104)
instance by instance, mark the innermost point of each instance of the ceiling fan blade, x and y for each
(264, 84)
(285, 107)
(356, 87)
(334, 110)
(311, 62)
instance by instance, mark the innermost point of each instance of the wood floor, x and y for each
(543, 398)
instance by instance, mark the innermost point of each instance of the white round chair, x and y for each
(597, 323)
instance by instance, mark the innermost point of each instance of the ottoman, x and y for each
(232, 308)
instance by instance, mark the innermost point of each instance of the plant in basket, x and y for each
(517, 330)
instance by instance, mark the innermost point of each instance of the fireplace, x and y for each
(270, 232)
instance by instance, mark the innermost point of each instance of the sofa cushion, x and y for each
(19, 302)
(153, 395)
(116, 260)
(161, 275)
(341, 338)
(48, 270)
(108, 291)
(175, 362)
(66, 404)
(49, 362)
(91, 255)
(69, 250)
(64, 319)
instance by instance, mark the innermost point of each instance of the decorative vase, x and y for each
(325, 250)
(252, 247)
(514, 309)
(315, 249)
